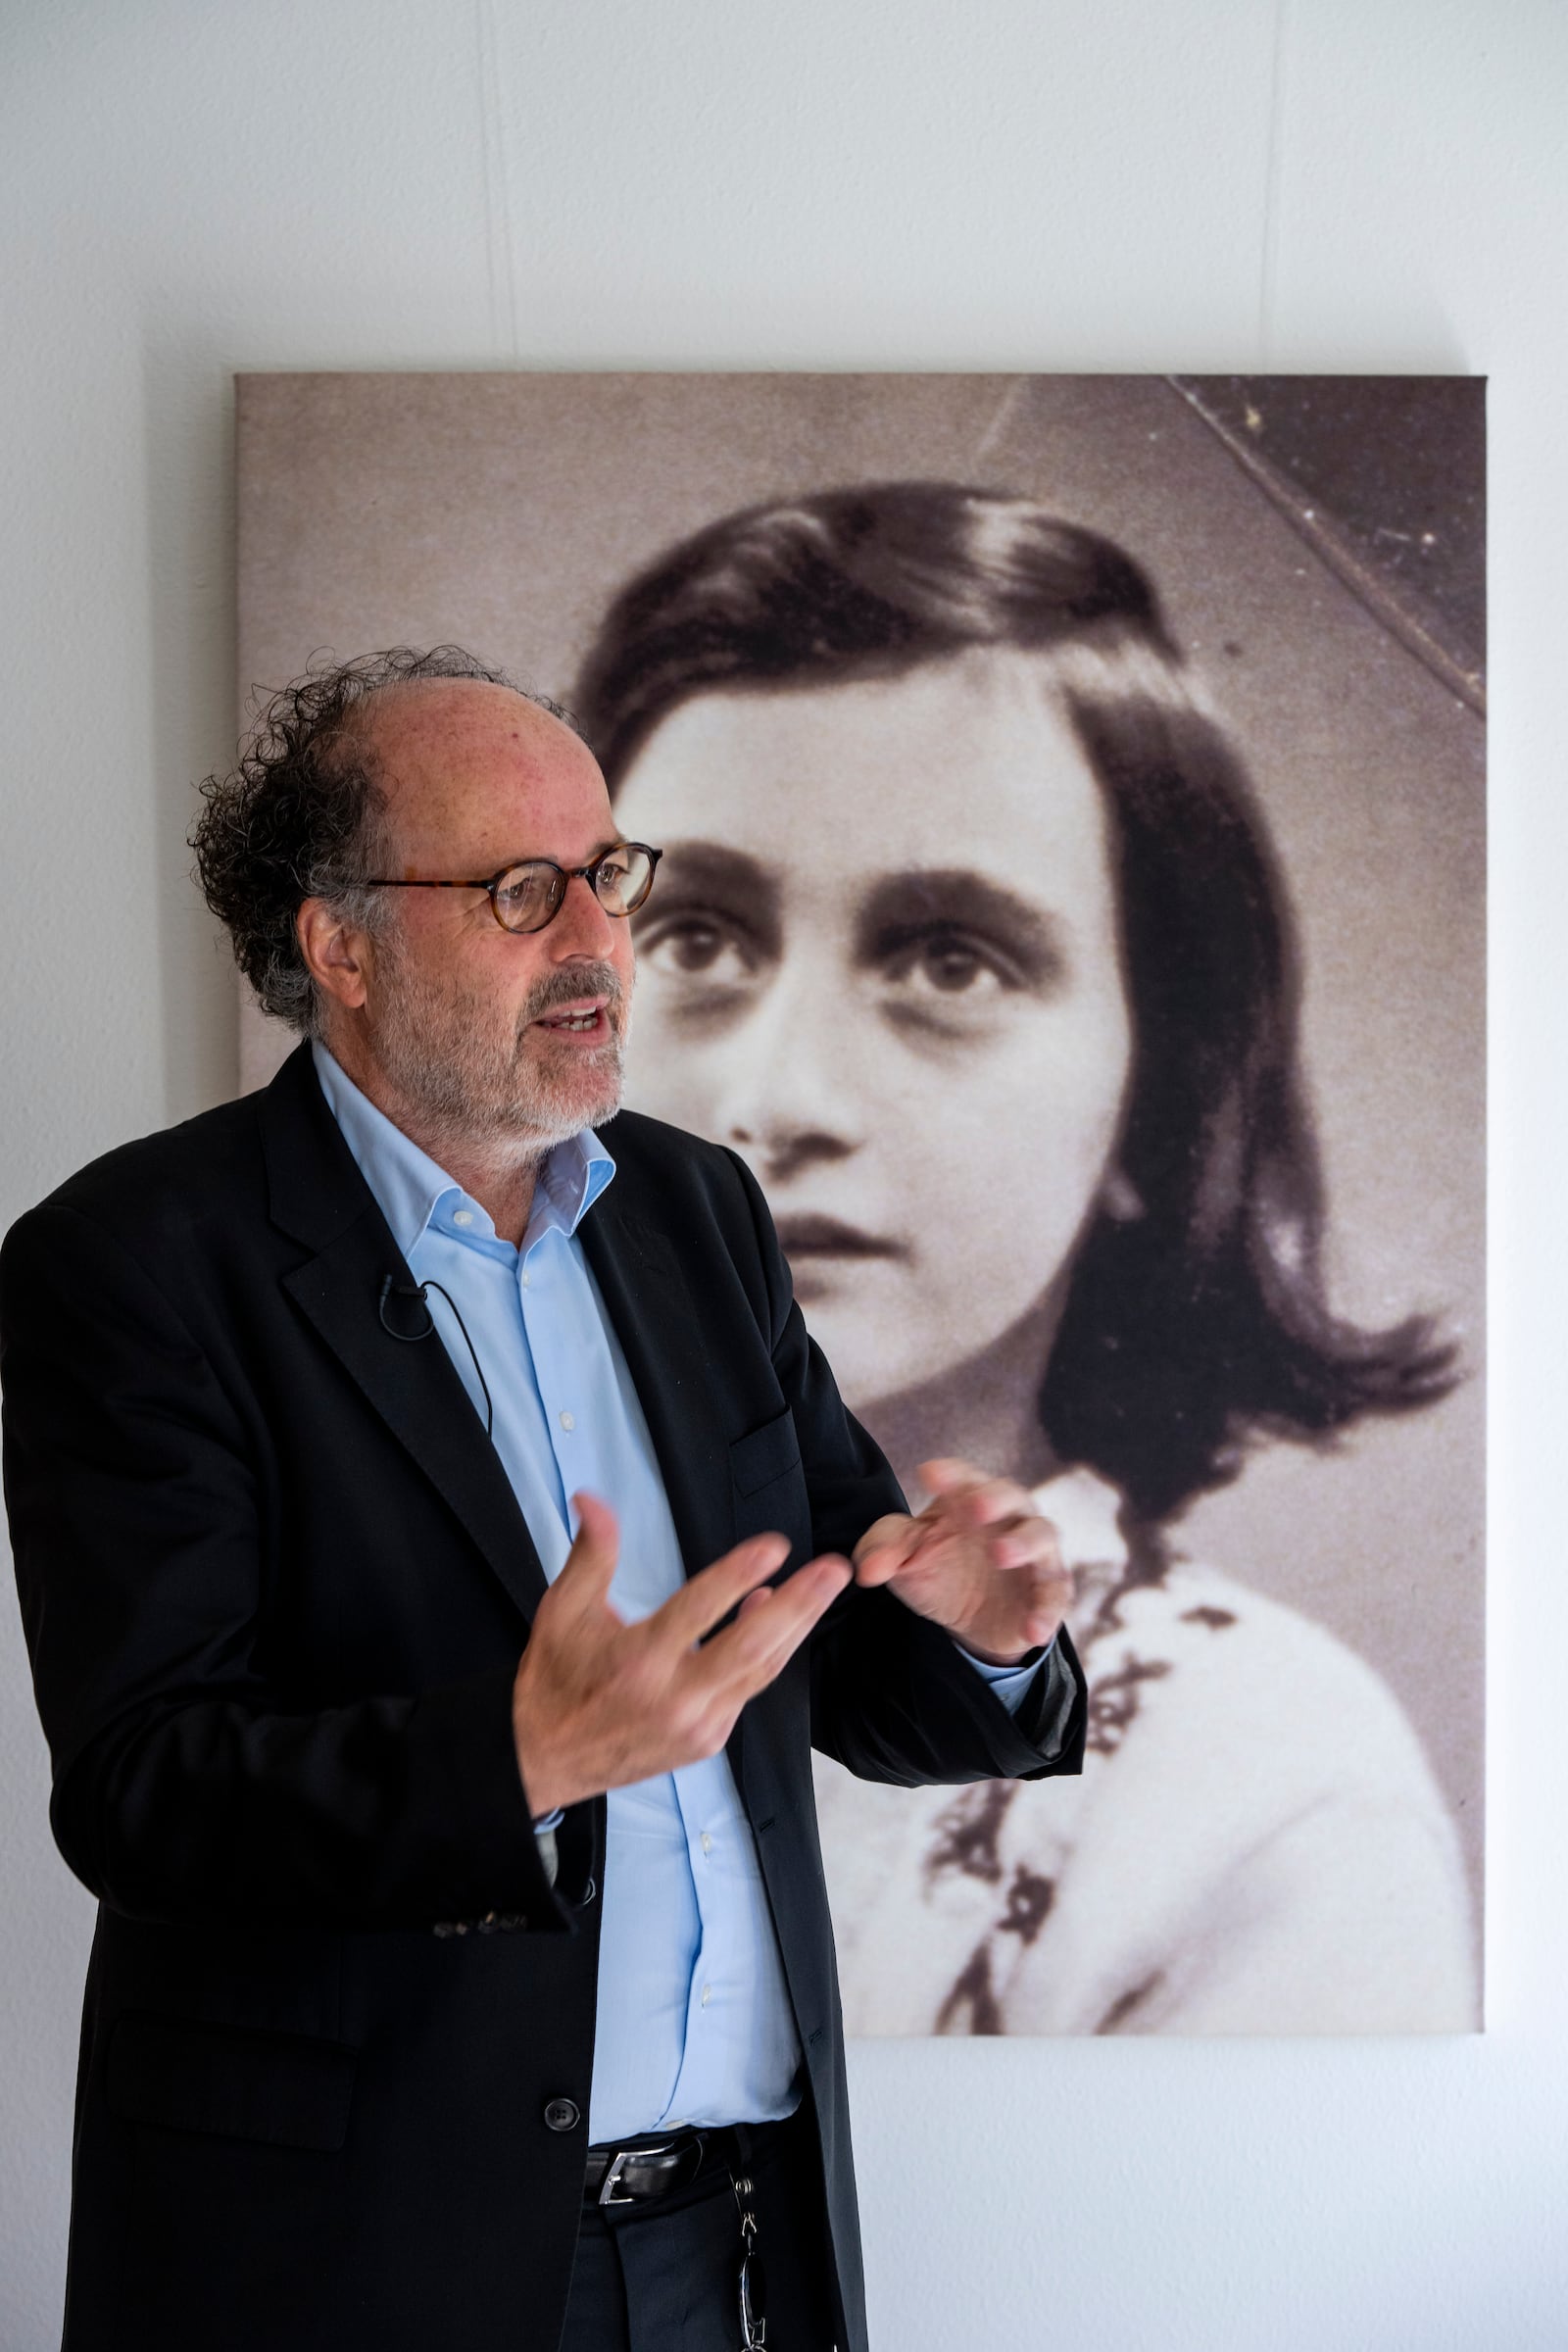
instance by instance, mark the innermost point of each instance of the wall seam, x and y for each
(500, 255)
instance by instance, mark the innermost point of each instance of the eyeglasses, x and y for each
(529, 895)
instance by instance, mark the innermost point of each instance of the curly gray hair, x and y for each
(302, 817)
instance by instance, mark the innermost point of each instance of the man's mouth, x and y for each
(582, 1020)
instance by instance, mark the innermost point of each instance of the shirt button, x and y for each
(462, 1216)
(562, 2115)
(708, 1843)
(568, 1421)
(706, 1989)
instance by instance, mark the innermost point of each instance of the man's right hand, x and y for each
(598, 1703)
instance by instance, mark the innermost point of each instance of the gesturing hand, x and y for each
(979, 1561)
(598, 1703)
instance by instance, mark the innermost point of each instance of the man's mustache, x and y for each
(568, 987)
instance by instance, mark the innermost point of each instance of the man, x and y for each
(430, 1531)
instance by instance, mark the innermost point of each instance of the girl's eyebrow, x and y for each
(958, 895)
(740, 885)
(703, 862)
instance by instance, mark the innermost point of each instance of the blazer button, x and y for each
(562, 2115)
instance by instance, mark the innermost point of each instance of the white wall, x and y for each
(1367, 184)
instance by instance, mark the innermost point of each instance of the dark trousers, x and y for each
(665, 2277)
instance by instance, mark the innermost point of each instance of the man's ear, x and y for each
(336, 952)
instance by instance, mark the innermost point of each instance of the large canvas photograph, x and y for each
(1071, 794)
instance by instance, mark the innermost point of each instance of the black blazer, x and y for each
(275, 1584)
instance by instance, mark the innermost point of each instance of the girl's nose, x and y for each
(796, 1090)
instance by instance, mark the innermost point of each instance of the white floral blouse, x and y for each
(1256, 1843)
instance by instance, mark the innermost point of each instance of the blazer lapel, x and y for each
(666, 1341)
(319, 1196)
(665, 1345)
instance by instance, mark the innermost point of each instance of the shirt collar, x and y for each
(410, 1185)
(1086, 1511)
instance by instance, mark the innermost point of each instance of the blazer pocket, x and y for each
(280, 2088)
(768, 1452)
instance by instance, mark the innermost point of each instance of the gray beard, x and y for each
(473, 1087)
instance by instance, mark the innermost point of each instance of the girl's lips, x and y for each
(825, 1237)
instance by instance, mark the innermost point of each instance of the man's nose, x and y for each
(580, 925)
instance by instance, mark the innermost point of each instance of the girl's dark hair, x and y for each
(1206, 1319)
(300, 816)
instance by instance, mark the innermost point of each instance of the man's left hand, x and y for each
(979, 1561)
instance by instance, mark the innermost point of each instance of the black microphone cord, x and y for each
(391, 1288)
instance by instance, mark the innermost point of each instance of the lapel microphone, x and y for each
(391, 1288)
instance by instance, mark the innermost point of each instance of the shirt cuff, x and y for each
(1040, 1696)
(1012, 1684)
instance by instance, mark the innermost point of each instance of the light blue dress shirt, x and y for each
(694, 2018)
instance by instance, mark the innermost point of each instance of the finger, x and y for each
(874, 1568)
(709, 1597)
(1050, 1597)
(946, 1474)
(894, 1527)
(887, 1545)
(1024, 1542)
(972, 1500)
(769, 1627)
(589, 1567)
(754, 1653)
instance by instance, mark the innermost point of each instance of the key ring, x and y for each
(751, 2284)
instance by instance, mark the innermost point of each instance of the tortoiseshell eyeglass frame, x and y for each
(556, 895)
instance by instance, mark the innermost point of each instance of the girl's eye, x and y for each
(949, 963)
(696, 946)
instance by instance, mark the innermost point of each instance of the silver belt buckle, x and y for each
(622, 2157)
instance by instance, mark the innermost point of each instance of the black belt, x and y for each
(636, 2172)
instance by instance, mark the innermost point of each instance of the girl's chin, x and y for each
(870, 1372)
